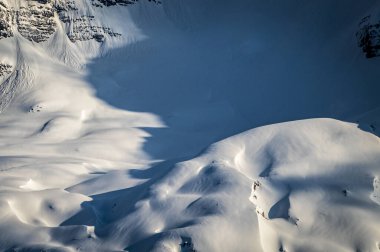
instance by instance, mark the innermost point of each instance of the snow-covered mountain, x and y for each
(132, 125)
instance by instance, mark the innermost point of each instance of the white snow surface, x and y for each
(155, 140)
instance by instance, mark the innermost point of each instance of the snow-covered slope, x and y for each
(95, 93)
(312, 186)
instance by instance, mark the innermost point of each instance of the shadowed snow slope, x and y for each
(107, 112)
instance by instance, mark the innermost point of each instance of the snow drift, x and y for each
(108, 109)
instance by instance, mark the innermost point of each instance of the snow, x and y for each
(185, 133)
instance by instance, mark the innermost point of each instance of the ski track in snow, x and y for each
(151, 141)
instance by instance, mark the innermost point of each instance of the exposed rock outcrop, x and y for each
(83, 29)
(369, 37)
(36, 21)
(5, 21)
(5, 69)
(101, 3)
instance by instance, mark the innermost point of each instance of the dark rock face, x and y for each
(82, 27)
(62, 7)
(83, 30)
(369, 37)
(101, 3)
(5, 69)
(5, 22)
(43, 1)
(36, 22)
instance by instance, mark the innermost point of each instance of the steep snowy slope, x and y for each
(94, 93)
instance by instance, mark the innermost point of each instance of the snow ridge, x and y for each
(134, 126)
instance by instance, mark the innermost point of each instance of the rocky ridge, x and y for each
(5, 22)
(83, 30)
(101, 3)
(35, 20)
(369, 37)
(5, 69)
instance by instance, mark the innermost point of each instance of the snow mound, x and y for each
(300, 186)
(113, 115)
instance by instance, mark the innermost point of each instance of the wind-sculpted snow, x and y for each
(319, 195)
(121, 121)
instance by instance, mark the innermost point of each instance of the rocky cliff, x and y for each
(369, 37)
(36, 20)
